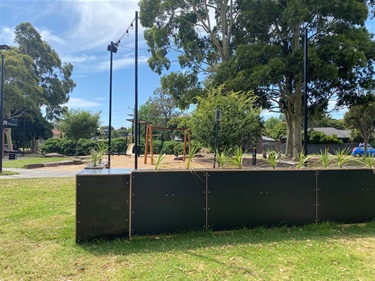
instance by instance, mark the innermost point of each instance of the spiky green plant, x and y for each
(222, 158)
(273, 158)
(159, 159)
(237, 158)
(368, 161)
(302, 160)
(342, 156)
(324, 158)
(97, 153)
(94, 157)
(190, 156)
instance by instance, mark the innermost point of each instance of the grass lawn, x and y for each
(22, 161)
(37, 243)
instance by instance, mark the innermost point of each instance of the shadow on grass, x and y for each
(191, 241)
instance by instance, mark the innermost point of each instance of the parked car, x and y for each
(360, 150)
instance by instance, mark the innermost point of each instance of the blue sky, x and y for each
(80, 30)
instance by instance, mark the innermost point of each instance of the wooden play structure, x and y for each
(149, 130)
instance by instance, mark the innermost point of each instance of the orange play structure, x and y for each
(149, 140)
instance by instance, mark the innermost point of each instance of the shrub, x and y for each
(119, 145)
(316, 137)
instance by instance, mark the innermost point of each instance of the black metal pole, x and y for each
(306, 92)
(1, 112)
(216, 133)
(24, 134)
(136, 95)
(110, 106)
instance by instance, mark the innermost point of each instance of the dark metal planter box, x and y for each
(252, 198)
(168, 201)
(121, 203)
(346, 196)
(102, 204)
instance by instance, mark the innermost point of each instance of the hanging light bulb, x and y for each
(340, 47)
(355, 49)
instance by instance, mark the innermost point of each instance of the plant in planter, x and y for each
(368, 161)
(159, 159)
(302, 160)
(97, 154)
(324, 158)
(273, 158)
(237, 158)
(190, 156)
(342, 156)
(222, 158)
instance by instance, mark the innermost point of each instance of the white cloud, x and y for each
(78, 58)
(50, 38)
(124, 62)
(96, 23)
(7, 35)
(81, 103)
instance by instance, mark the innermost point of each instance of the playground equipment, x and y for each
(149, 130)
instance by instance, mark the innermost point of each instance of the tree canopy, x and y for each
(362, 118)
(53, 75)
(269, 57)
(35, 77)
(240, 123)
(258, 45)
(199, 32)
(80, 124)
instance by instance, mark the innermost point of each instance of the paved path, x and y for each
(35, 173)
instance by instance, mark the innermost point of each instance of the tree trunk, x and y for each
(289, 133)
(8, 137)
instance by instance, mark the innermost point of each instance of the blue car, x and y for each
(359, 151)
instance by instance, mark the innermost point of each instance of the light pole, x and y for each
(136, 95)
(2, 47)
(306, 92)
(112, 48)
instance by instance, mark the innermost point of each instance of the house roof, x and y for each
(329, 131)
(264, 138)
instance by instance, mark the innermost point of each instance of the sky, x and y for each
(80, 30)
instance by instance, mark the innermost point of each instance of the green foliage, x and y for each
(368, 161)
(98, 152)
(361, 117)
(170, 147)
(158, 110)
(69, 147)
(324, 158)
(275, 128)
(53, 76)
(315, 137)
(159, 160)
(240, 122)
(273, 158)
(302, 160)
(79, 124)
(269, 55)
(237, 157)
(119, 145)
(190, 156)
(342, 156)
(202, 42)
(327, 121)
(222, 158)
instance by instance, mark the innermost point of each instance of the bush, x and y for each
(119, 146)
(316, 137)
(68, 147)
